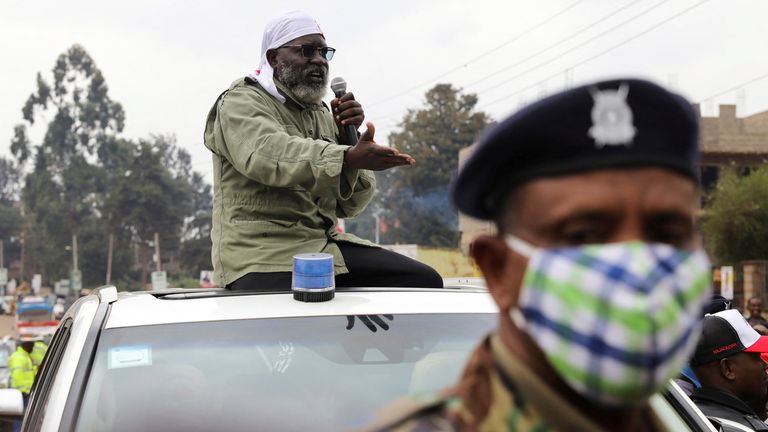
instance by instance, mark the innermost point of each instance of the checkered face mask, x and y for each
(616, 321)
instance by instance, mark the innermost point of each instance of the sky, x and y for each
(167, 61)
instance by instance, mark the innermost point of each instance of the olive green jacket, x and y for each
(279, 182)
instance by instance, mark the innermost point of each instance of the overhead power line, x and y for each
(484, 54)
(559, 42)
(588, 59)
(736, 87)
(568, 38)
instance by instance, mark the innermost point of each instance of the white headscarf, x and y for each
(277, 33)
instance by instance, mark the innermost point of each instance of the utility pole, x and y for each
(2, 265)
(23, 255)
(157, 250)
(109, 258)
(741, 102)
(74, 252)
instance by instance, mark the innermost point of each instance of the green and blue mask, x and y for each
(616, 321)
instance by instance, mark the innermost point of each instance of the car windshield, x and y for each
(309, 373)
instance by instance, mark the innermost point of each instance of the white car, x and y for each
(203, 360)
(216, 360)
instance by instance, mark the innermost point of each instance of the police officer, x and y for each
(22, 366)
(38, 353)
(597, 269)
(22, 370)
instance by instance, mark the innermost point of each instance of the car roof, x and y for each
(131, 309)
(33, 299)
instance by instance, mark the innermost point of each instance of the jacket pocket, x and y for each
(263, 235)
(266, 225)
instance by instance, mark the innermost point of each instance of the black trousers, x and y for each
(368, 267)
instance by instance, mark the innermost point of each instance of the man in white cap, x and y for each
(727, 361)
(283, 173)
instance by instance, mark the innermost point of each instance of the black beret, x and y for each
(609, 124)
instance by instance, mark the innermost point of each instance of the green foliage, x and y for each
(89, 181)
(185, 282)
(415, 201)
(195, 251)
(734, 224)
(11, 221)
(153, 198)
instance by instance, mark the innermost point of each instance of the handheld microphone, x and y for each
(339, 87)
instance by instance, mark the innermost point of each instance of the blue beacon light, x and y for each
(313, 277)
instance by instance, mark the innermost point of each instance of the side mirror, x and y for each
(11, 404)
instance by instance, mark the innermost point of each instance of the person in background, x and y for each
(763, 330)
(38, 353)
(728, 363)
(597, 268)
(755, 312)
(22, 370)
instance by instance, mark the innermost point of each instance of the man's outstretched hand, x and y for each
(366, 154)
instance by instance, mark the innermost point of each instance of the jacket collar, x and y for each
(722, 398)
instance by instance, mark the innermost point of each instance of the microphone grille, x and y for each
(338, 85)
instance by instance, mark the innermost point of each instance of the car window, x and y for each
(312, 373)
(684, 407)
(39, 395)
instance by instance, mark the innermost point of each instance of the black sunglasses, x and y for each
(308, 51)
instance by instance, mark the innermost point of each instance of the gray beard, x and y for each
(295, 79)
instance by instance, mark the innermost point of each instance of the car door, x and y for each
(40, 393)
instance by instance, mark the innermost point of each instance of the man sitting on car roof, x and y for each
(283, 173)
(597, 269)
(734, 383)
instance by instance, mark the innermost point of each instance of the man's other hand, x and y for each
(347, 111)
(366, 154)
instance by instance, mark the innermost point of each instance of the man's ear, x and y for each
(727, 368)
(272, 57)
(503, 270)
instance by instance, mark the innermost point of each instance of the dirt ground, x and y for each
(6, 325)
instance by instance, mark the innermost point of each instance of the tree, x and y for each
(156, 196)
(11, 222)
(114, 194)
(115, 157)
(734, 223)
(61, 195)
(195, 253)
(414, 202)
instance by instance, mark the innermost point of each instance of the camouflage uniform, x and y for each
(496, 392)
